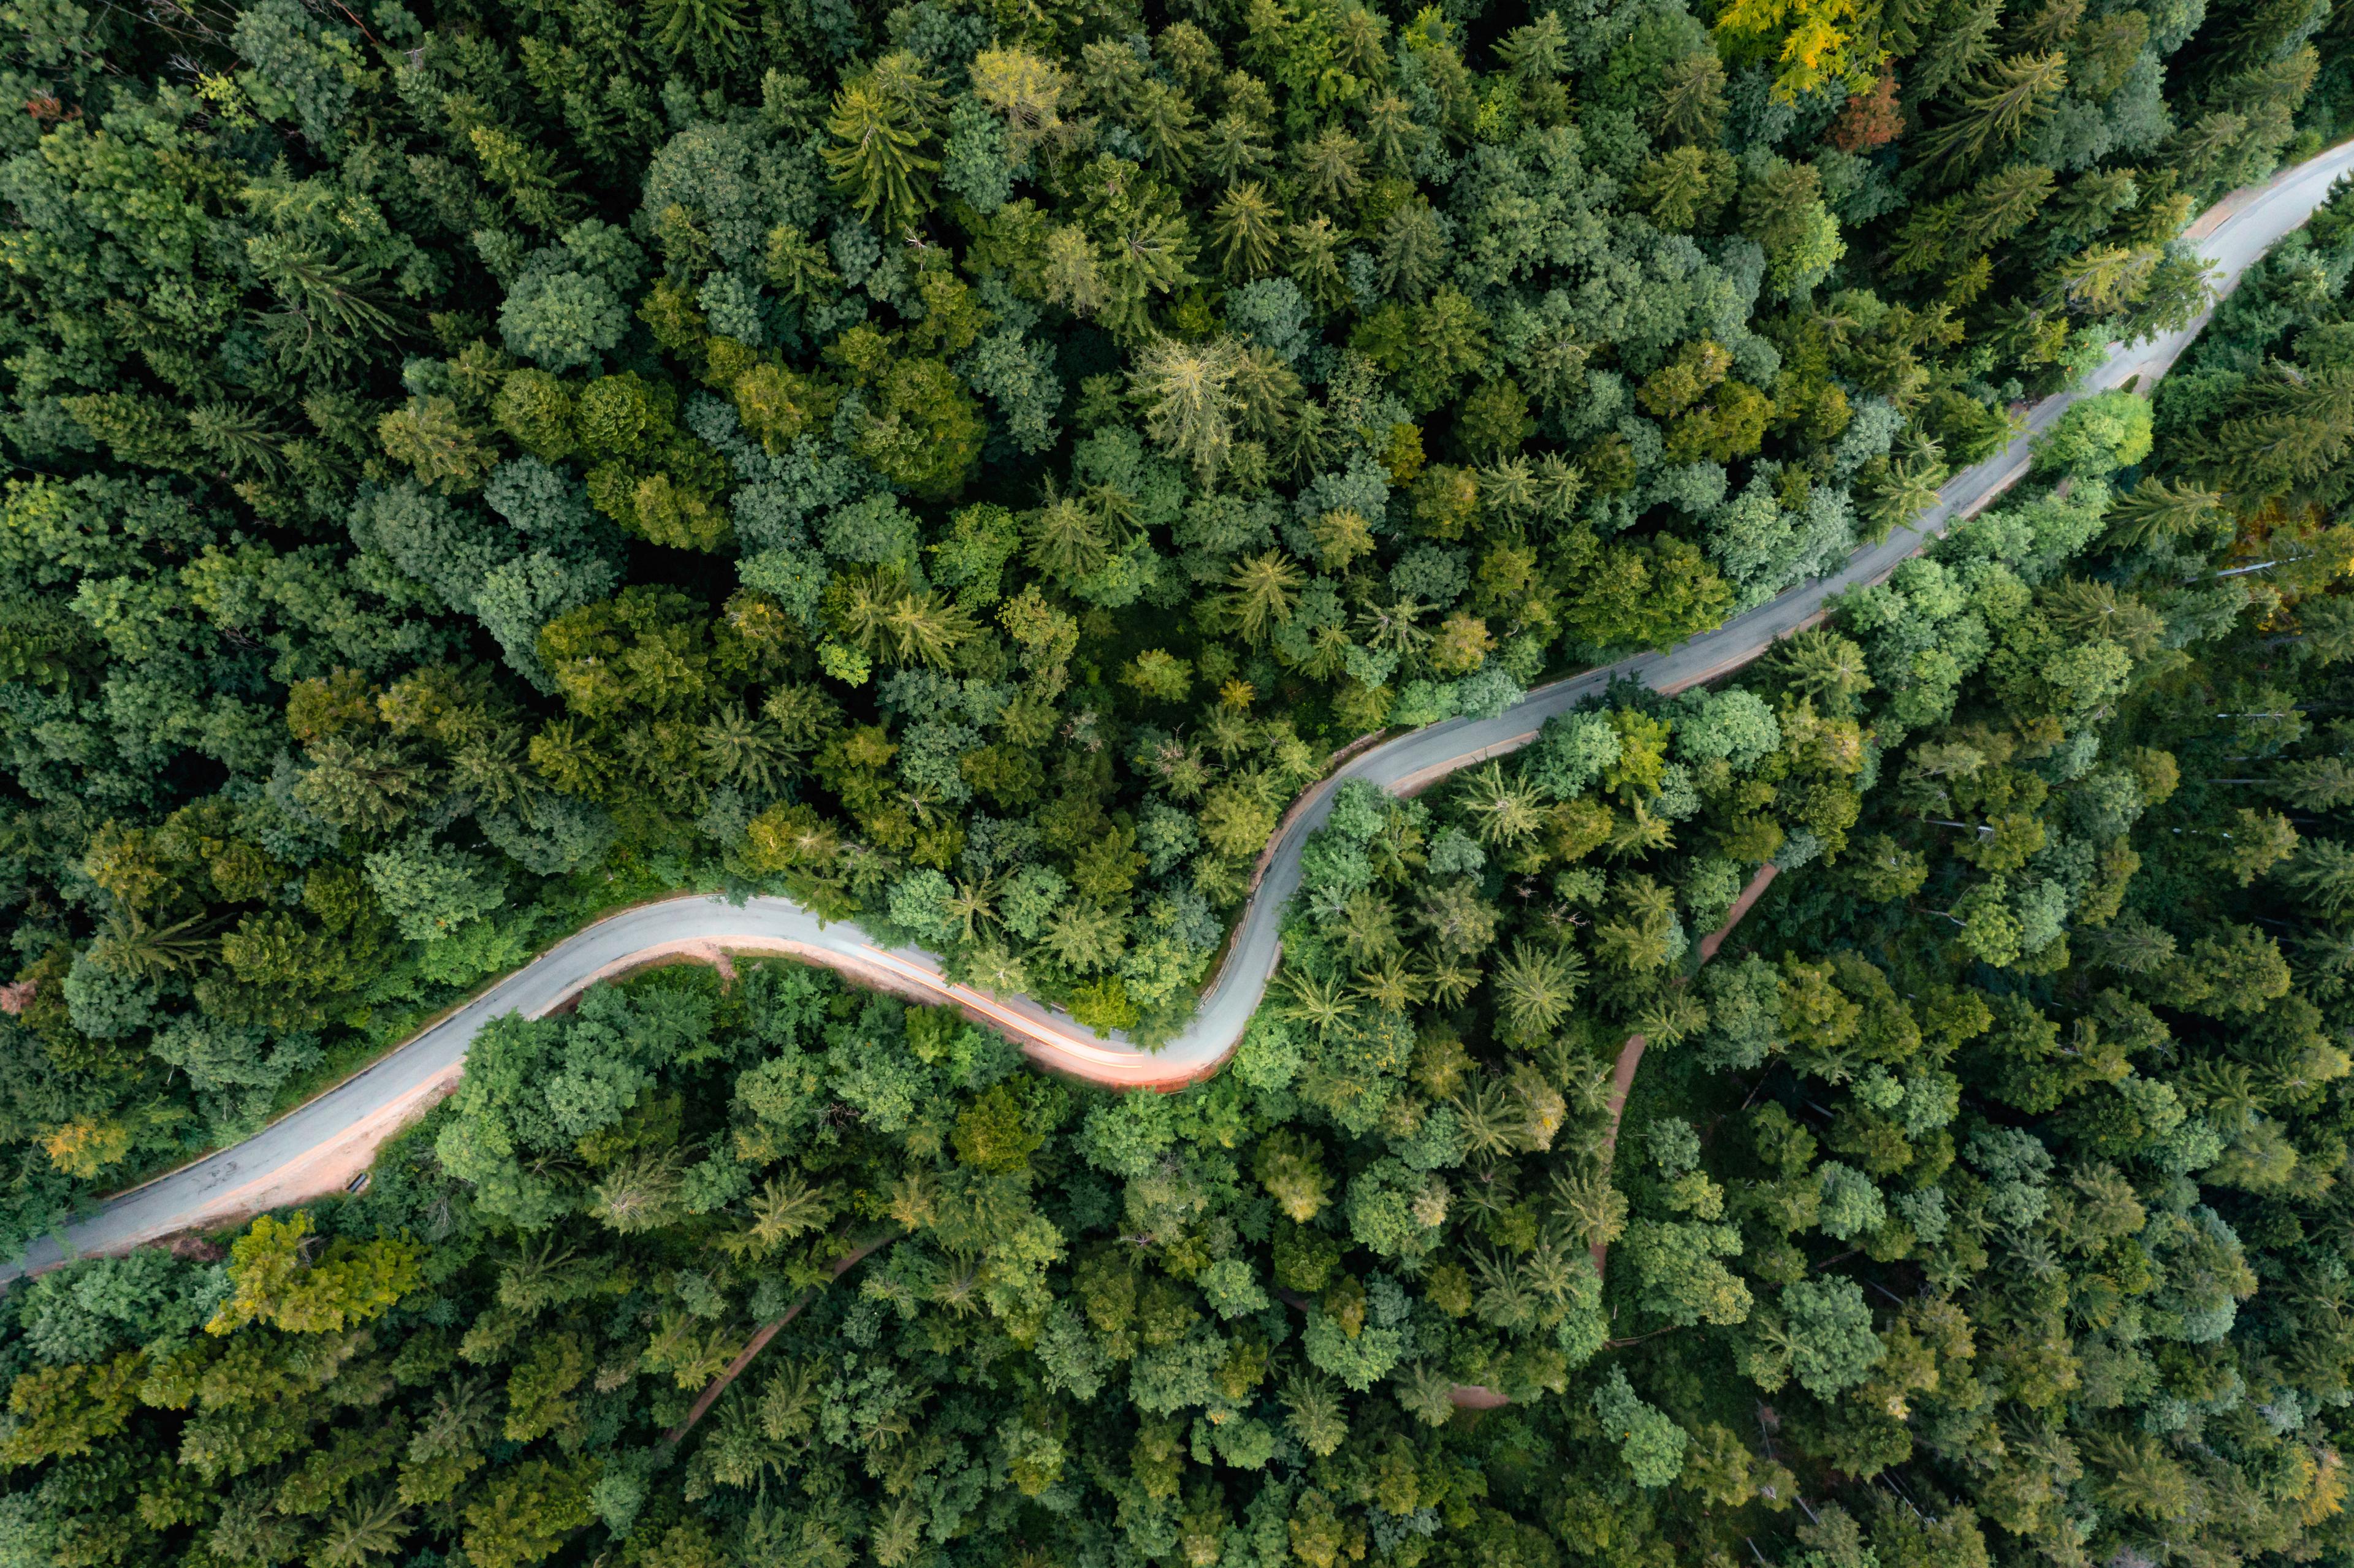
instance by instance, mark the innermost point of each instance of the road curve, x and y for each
(330, 1141)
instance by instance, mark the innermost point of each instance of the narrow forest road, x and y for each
(328, 1142)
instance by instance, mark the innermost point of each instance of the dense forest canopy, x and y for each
(1979, 1203)
(966, 468)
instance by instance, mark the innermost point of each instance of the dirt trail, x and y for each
(1476, 1396)
(1630, 1055)
(322, 1144)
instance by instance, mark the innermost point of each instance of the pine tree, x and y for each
(2323, 875)
(1332, 167)
(1999, 107)
(1412, 250)
(1314, 264)
(882, 122)
(2000, 205)
(2324, 629)
(1322, 1005)
(1690, 104)
(1820, 663)
(2297, 428)
(2155, 510)
(743, 751)
(1189, 405)
(1245, 229)
(708, 34)
(1025, 90)
(1535, 988)
(1164, 120)
(1685, 188)
(1235, 146)
(1260, 591)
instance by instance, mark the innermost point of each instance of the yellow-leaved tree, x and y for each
(284, 1278)
(1812, 42)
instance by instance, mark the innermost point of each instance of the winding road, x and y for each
(330, 1141)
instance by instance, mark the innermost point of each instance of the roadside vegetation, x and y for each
(966, 469)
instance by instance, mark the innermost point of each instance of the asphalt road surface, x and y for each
(327, 1142)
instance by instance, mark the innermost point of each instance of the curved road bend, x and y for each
(329, 1141)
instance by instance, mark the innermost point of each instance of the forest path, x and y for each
(1630, 1055)
(326, 1143)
